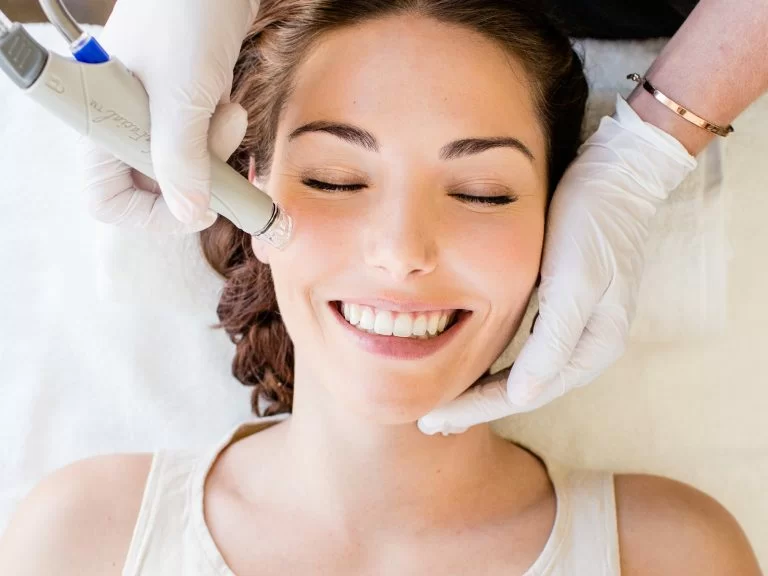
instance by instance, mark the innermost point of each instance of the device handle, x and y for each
(108, 103)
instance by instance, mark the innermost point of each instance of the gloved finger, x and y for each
(120, 195)
(180, 157)
(114, 197)
(545, 354)
(566, 302)
(484, 402)
(186, 188)
(602, 343)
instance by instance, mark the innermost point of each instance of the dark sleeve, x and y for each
(620, 19)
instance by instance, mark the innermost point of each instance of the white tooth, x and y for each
(402, 326)
(354, 314)
(383, 323)
(434, 319)
(366, 317)
(420, 325)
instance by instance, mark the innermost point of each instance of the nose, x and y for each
(400, 236)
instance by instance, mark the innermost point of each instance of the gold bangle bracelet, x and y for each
(680, 110)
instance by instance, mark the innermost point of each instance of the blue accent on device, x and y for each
(91, 53)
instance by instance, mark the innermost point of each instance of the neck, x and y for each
(350, 469)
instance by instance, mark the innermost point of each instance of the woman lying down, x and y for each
(416, 144)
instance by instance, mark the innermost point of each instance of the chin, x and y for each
(394, 404)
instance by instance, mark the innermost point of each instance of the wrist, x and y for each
(658, 160)
(693, 138)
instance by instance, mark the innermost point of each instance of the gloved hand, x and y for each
(184, 53)
(593, 259)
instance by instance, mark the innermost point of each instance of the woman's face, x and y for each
(408, 89)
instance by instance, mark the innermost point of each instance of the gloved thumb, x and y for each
(601, 345)
(180, 153)
(484, 402)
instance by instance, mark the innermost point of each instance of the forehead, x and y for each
(411, 78)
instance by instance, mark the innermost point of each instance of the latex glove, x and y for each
(592, 264)
(184, 53)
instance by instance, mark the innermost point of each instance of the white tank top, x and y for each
(171, 537)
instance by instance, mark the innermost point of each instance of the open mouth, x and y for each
(456, 317)
(402, 347)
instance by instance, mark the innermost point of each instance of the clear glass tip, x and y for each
(278, 232)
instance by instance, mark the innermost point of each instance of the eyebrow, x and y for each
(456, 149)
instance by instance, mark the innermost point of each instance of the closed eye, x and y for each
(493, 200)
(319, 185)
(329, 187)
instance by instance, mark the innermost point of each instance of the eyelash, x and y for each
(488, 200)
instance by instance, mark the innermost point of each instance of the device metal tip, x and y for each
(278, 231)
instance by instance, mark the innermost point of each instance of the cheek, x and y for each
(506, 259)
(316, 224)
(504, 252)
(321, 239)
(316, 253)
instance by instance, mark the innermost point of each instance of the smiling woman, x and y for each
(416, 143)
(404, 125)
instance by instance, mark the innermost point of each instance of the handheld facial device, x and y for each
(100, 98)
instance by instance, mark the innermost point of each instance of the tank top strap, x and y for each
(170, 535)
(550, 557)
(163, 502)
(584, 538)
(592, 543)
(195, 496)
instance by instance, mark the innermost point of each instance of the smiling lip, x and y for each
(397, 347)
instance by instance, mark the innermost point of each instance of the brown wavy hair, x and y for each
(281, 36)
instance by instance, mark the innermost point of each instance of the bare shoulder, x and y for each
(77, 520)
(669, 527)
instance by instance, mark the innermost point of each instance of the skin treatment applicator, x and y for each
(95, 94)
